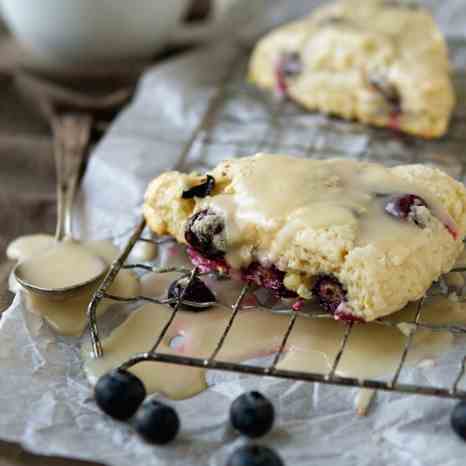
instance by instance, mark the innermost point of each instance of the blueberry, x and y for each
(252, 414)
(119, 394)
(388, 90)
(201, 190)
(329, 292)
(254, 455)
(412, 5)
(403, 207)
(207, 265)
(157, 423)
(334, 21)
(205, 233)
(267, 277)
(458, 419)
(291, 64)
(197, 292)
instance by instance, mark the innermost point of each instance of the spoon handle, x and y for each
(71, 132)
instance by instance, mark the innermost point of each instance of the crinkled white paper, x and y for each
(46, 403)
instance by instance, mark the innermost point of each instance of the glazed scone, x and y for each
(361, 238)
(377, 61)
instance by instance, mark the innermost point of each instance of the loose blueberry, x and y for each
(201, 190)
(458, 419)
(404, 207)
(252, 414)
(329, 292)
(119, 394)
(267, 277)
(157, 423)
(197, 292)
(254, 455)
(205, 233)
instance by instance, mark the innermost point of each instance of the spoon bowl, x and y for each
(59, 293)
(47, 276)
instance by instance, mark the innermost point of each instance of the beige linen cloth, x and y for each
(27, 180)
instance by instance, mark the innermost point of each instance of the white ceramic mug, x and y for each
(89, 31)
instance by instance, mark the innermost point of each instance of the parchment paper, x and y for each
(46, 403)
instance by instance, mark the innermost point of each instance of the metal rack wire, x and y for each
(195, 153)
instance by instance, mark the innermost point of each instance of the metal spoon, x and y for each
(71, 136)
(70, 111)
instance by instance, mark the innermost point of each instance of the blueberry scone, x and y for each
(362, 239)
(381, 62)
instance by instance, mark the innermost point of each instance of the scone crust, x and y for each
(343, 46)
(380, 277)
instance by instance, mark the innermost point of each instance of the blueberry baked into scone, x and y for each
(382, 62)
(362, 239)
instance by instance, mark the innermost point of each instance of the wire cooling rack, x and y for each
(280, 126)
(213, 363)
